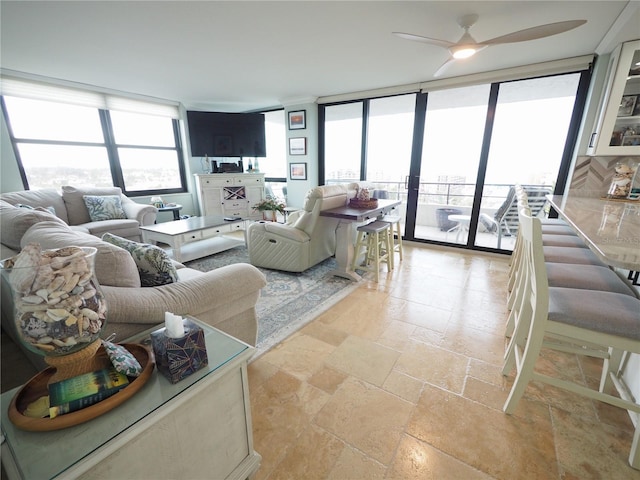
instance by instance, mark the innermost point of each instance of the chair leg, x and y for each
(376, 254)
(634, 456)
(399, 246)
(525, 367)
(610, 366)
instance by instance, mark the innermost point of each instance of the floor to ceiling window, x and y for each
(343, 142)
(531, 122)
(274, 165)
(476, 143)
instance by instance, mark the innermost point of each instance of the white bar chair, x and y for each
(583, 322)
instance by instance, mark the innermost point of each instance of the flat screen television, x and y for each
(219, 134)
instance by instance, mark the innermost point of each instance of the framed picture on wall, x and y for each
(298, 146)
(298, 120)
(298, 171)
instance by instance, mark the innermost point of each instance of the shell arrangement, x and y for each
(363, 194)
(58, 305)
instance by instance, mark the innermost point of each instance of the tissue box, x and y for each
(177, 358)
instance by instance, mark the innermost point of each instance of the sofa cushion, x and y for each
(113, 265)
(74, 201)
(154, 265)
(44, 197)
(107, 207)
(14, 222)
(128, 228)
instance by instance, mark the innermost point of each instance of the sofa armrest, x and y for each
(213, 297)
(144, 214)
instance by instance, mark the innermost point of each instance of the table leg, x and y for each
(344, 251)
(176, 214)
(175, 245)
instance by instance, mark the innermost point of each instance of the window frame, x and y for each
(111, 147)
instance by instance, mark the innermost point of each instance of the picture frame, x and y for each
(298, 120)
(298, 146)
(627, 105)
(298, 171)
(630, 140)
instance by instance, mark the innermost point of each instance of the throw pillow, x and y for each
(154, 265)
(114, 266)
(49, 209)
(108, 207)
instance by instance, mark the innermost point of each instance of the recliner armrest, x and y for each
(285, 231)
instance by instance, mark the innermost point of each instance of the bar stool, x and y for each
(373, 241)
(394, 231)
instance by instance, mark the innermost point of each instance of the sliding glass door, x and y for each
(453, 155)
(453, 133)
(528, 139)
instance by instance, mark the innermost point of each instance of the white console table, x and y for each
(199, 427)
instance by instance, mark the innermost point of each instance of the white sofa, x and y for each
(224, 298)
(306, 238)
(69, 206)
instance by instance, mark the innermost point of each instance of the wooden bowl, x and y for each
(355, 203)
(37, 387)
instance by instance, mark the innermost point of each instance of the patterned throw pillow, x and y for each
(49, 209)
(107, 207)
(154, 265)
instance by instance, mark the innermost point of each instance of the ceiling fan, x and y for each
(467, 45)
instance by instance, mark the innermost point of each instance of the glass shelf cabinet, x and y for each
(618, 128)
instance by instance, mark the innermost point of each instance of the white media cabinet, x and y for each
(230, 194)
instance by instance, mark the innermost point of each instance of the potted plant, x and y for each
(270, 204)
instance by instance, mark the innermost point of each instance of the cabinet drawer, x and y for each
(216, 182)
(250, 180)
(236, 204)
(191, 237)
(212, 232)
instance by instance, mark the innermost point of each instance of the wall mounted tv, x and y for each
(219, 134)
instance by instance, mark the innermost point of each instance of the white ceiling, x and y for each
(238, 56)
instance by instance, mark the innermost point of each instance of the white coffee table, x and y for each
(195, 237)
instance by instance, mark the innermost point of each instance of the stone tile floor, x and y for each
(401, 380)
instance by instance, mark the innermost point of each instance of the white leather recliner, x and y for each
(306, 239)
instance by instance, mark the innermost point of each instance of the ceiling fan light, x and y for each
(463, 52)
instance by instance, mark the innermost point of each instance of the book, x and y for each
(84, 390)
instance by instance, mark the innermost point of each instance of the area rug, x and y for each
(290, 300)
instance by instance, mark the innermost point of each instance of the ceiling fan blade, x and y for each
(419, 38)
(444, 67)
(534, 33)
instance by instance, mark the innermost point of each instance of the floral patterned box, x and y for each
(177, 358)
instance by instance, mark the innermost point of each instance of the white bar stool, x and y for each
(373, 241)
(394, 231)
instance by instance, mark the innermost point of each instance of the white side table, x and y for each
(462, 227)
(199, 427)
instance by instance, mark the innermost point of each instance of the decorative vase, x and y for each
(59, 309)
(269, 215)
(620, 186)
